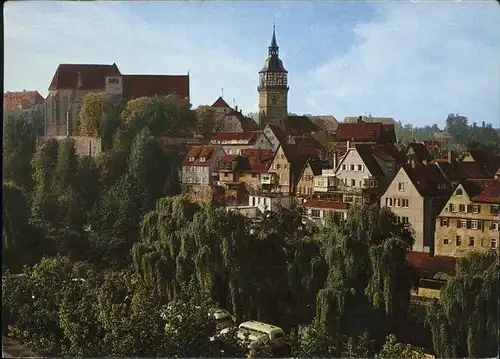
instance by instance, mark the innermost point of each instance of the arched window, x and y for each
(459, 192)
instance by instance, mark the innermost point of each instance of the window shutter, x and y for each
(469, 208)
(468, 225)
(478, 208)
(441, 222)
(458, 224)
(479, 224)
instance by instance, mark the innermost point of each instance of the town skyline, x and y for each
(397, 60)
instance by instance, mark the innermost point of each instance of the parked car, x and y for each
(260, 336)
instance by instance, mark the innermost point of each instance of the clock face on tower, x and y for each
(274, 99)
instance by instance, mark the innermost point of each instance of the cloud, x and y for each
(417, 63)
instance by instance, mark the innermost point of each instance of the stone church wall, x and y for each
(84, 146)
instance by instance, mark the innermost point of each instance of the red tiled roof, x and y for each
(278, 132)
(299, 125)
(420, 151)
(428, 180)
(135, 86)
(483, 190)
(458, 171)
(197, 152)
(228, 158)
(429, 266)
(317, 203)
(259, 160)
(21, 100)
(220, 103)
(365, 132)
(359, 132)
(93, 77)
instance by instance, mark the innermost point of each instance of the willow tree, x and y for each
(44, 201)
(19, 140)
(368, 278)
(465, 320)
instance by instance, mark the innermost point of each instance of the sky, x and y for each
(413, 61)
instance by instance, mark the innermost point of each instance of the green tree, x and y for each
(206, 121)
(393, 349)
(464, 321)
(44, 209)
(21, 242)
(368, 278)
(19, 144)
(313, 342)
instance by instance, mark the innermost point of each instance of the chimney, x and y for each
(236, 108)
(334, 160)
(348, 144)
(360, 119)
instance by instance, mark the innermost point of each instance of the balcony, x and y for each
(268, 178)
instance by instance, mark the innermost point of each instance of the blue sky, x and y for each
(414, 61)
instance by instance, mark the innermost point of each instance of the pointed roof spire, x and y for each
(273, 48)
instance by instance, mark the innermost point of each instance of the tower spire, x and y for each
(273, 48)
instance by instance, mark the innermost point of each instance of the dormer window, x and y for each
(459, 192)
(203, 159)
(191, 159)
(113, 80)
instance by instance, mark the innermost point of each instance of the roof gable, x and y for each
(220, 103)
(483, 190)
(85, 77)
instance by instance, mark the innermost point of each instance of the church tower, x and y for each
(273, 87)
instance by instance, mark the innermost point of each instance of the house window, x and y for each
(285, 166)
(388, 167)
(353, 182)
(462, 223)
(459, 241)
(445, 241)
(476, 209)
(494, 226)
(390, 202)
(444, 222)
(473, 224)
(401, 186)
(282, 156)
(278, 166)
(459, 192)
(351, 167)
(203, 159)
(191, 159)
(398, 203)
(471, 241)
(453, 207)
(406, 202)
(494, 208)
(493, 243)
(360, 167)
(254, 175)
(462, 208)
(405, 220)
(387, 202)
(344, 167)
(315, 213)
